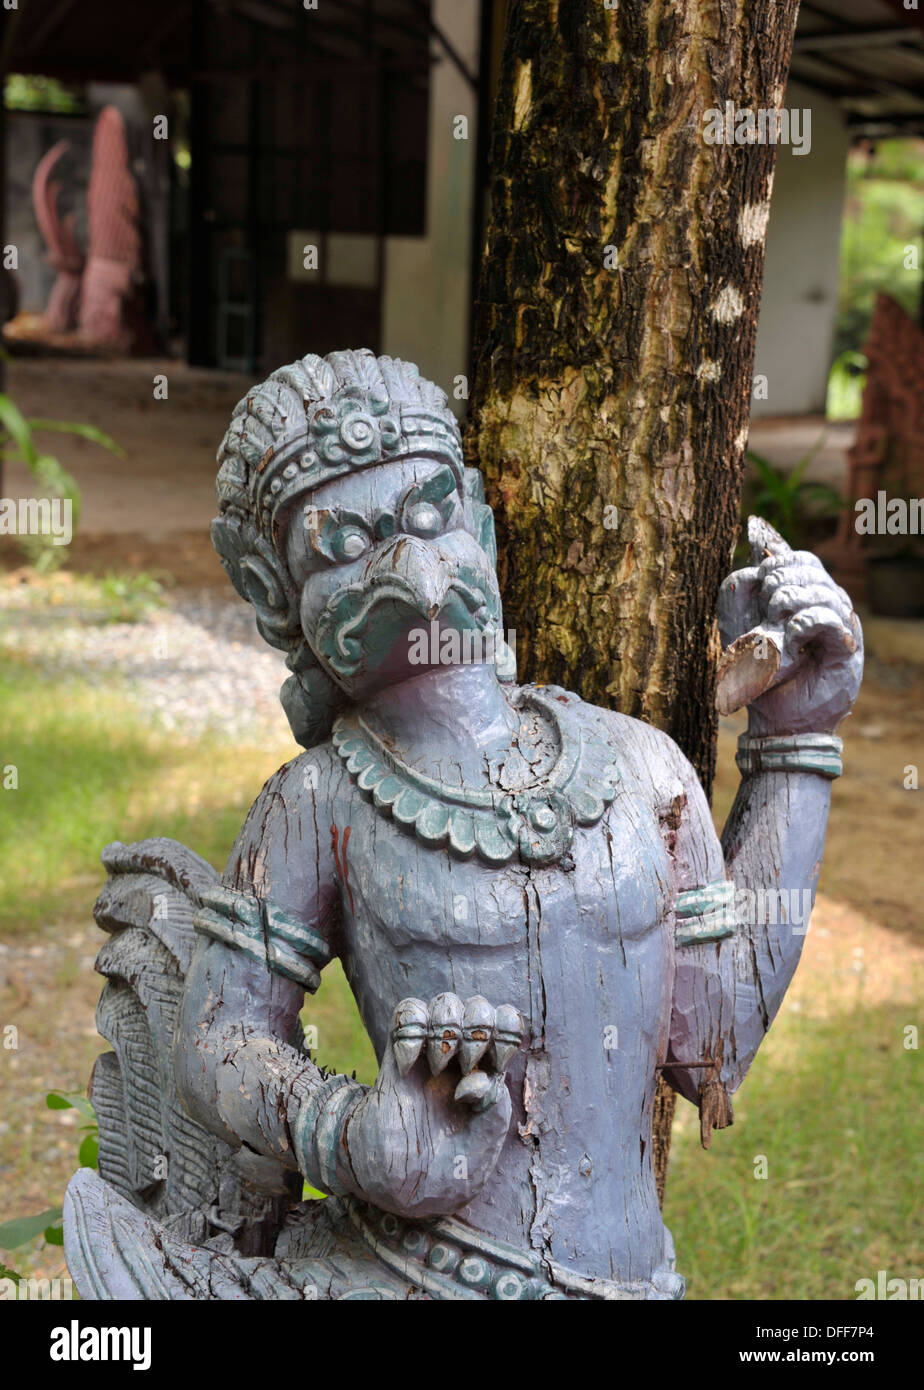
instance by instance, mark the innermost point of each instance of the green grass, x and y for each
(90, 771)
(834, 1107)
(110, 598)
(342, 1044)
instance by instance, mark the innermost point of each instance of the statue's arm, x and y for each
(264, 937)
(736, 947)
(794, 655)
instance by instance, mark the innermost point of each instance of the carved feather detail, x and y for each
(151, 1151)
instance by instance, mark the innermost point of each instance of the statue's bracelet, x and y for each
(318, 1130)
(819, 753)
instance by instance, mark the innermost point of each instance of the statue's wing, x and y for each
(115, 1251)
(150, 1149)
(152, 1155)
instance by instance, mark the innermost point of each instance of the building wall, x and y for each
(799, 303)
(427, 280)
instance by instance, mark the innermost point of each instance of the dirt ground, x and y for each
(151, 509)
(873, 850)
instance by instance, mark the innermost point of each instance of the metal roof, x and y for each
(81, 40)
(868, 56)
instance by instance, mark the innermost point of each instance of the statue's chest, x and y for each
(612, 886)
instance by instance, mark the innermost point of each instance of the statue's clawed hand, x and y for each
(428, 1135)
(794, 646)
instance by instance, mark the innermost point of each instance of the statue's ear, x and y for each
(480, 513)
(233, 537)
(259, 576)
(271, 593)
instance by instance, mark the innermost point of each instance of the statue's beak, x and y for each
(406, 581)
(413, 569)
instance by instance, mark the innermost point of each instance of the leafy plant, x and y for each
(882, 218)
(129, 597)
(17, 440)
(845, 386)
(22, 1229)
(88, 1152)
(792, 503)
(30, 92)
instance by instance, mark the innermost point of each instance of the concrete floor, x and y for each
(786, 440)
(166, 482)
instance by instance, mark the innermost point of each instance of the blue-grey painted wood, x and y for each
(527, 895)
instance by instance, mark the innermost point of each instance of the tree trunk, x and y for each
(614, 344)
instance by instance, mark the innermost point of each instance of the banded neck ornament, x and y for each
(535, 819)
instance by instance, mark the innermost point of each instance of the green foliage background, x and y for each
(883, 215)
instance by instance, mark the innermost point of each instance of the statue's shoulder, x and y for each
(304, 783)
(289, 822)
(646, 758)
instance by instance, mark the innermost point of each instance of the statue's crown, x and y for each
(322, 417)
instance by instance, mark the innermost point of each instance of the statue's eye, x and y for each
(350, 542)
(423, 519)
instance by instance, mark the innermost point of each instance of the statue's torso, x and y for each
(583, 948)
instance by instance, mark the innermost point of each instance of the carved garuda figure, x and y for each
(526, 893)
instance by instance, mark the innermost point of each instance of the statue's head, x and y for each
(351, 524)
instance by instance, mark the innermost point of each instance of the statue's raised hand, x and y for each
(429, 1133)
(794, 646)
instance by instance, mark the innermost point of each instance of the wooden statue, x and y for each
(64, 255)
(526, 893)
(113, 272)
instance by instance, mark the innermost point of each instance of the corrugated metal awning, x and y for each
(868, 56)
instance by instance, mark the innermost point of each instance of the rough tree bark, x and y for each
(614, 342)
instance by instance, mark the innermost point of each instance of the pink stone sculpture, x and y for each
(64, 255)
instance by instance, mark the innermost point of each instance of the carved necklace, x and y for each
(537, 822)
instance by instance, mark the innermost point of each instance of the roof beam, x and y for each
(856, 38)
(293, 68)
(884, 86)
(879, 127)
(807, 79)
(53, 20)
(357, 39)
(811, 7)
(267, 15)
(152, 43)
(381, 21)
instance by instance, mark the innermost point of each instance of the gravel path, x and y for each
(196, 665)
